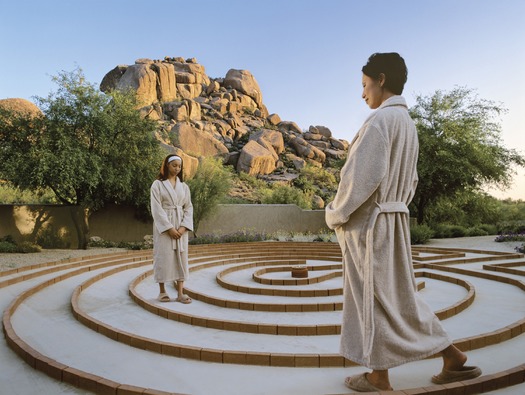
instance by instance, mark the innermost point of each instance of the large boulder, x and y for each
(196, 142)
(143, 80)
(166, 85)
(183, 110)
(307, 150)
(244, 81)
(20, 106)
(273, 137)
(289, 126)
(323, 130)
(255, 159)
(339, 144)
(111, 79)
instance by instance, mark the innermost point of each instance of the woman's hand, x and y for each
(176, 233)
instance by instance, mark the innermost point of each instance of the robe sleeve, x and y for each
(361, 175)
(160, 218)
(187, 217)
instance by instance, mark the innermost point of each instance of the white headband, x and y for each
(175, 157)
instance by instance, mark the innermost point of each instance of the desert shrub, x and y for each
(284, 194)
(98, 242)
(236, 237)
(27, 247)
(50, 237)
(445, 231)
(511, 227)
(510, 237)
(208, 186)
(475, 231)
(420, 234)
(8, 247)
(490, 229)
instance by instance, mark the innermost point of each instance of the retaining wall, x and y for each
(119, 223)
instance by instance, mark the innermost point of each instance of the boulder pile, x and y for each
(225, 117)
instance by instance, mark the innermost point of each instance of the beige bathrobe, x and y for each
(170, 207)
(385, 322)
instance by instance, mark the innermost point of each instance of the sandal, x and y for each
(451, 376)
(360, 383)
(163, 297)
(184, 299)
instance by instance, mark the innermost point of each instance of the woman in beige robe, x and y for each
(172, 213)
(385, 322)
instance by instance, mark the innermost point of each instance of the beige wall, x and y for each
(117, 223)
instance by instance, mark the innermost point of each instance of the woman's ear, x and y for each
(381, 79)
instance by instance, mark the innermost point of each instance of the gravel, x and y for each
(13, 261)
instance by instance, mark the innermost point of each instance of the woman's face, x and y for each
(174, 167)
(372, 92)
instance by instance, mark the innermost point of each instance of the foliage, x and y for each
(14, 195)
(8, 245)
(420, 234)
(512, 211)
(466, 208)
(446, 231)
(88, 147)
(319, 181)
(97, 242)
(511, 227)
(49, 237)
(284, 194)
(510, 237)
(236, 237)
(460, 147)
(209, 185)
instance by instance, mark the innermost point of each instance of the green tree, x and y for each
(88, 147)
(208, 187)
(285, 194)
(460, 147)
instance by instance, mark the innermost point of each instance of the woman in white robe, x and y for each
(385, 322)
(172, 213)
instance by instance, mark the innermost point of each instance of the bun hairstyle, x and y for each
(164, 172)
(392, 65)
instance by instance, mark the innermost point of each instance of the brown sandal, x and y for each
(163, 297)
(184, 299)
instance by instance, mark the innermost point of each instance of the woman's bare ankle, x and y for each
(453, 358)
(379, 380)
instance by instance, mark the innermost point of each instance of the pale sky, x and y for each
(306, 55)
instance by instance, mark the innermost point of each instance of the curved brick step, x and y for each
(100, 384)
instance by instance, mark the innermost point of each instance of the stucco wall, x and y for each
(117, 223)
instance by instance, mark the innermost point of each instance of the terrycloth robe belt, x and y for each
(175, 214)
(368, 272)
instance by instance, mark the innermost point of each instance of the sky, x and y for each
(306, 55)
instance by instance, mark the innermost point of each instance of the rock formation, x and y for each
(21, 106)
(226, 117)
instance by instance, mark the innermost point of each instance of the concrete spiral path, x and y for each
(93, 325)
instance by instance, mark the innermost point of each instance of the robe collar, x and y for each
(395, 100)
(171, 190)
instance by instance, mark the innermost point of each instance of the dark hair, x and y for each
(163, 172)
(392, 65)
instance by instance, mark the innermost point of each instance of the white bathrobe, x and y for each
(170, 207)
(385, 322)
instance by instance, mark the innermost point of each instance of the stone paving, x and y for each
(93, 325)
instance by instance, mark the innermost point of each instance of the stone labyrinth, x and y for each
(94, 324)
